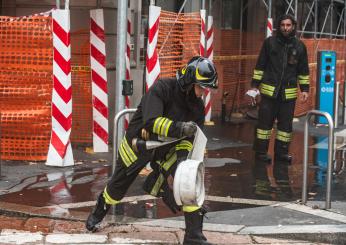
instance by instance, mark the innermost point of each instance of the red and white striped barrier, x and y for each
(60, 151)
(128, 68)
(269, 27)
(210, 56)
(99, 81)
(152, 59)
(210, 39)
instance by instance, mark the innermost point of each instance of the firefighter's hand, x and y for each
(304, 97)
(252, 94)
(188, 129)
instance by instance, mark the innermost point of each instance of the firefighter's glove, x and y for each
(187, 129)
(139, 145)
(253, 93)
(168, 199)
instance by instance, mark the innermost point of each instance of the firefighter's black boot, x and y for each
(283, 158)
(263, 157)
(194, 227)
(98, 213)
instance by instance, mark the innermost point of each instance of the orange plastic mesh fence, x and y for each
(178, 40)
(26, 56)
(81, 87)
(235, 55)
(25, 87)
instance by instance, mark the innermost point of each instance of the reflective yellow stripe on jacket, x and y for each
(263, 134)
(126, 153)
(283, 136)
(267, 89)
(257, 74)
(291, 93)
(161, 126)
(184, 145)
(303, 79)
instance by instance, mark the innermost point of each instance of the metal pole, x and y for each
(296, 10)
(120, 60)
(331, 16)
(305, 159)
(57, 4)
(336, 104)
(269, 8)
(115, 134)
(330, 160)
(330, 155)
(316, 19)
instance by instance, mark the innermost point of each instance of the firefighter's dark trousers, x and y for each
(269, 111)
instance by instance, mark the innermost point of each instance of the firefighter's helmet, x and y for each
(198, 70)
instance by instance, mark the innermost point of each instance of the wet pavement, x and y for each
(240, 195)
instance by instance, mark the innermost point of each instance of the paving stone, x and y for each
(226, 238)
(39, 224)
(20, 237)
(11, 222)
(144, 237)
(75, 238)
(265, 240)
(69, 227)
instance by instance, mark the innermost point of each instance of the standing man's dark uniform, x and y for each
(171, 108)
(281, 68)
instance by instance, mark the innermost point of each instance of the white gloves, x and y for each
(253, 93)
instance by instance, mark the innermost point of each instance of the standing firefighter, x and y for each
(282, 65)
(171, 108)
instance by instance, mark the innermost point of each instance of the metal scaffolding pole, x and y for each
(296, 9)
(331, 17)
(269, 8)
(316, 19)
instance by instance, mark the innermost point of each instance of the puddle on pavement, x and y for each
(235, 177)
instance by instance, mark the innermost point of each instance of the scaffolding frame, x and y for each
(328, 8)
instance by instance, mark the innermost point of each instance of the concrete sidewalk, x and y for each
(20, 230)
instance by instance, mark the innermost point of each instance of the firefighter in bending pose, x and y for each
(281, 67)
(171, 108)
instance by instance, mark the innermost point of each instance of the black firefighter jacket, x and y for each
(159, 113)
(281, 66)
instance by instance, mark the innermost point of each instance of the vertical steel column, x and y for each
(137, 26)
(336, 104)
(57, 3)
(331, 17)
(269, 8)
(316, 19)
(296, 10)
(120, 60)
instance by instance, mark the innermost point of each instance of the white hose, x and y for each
(188, 185)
